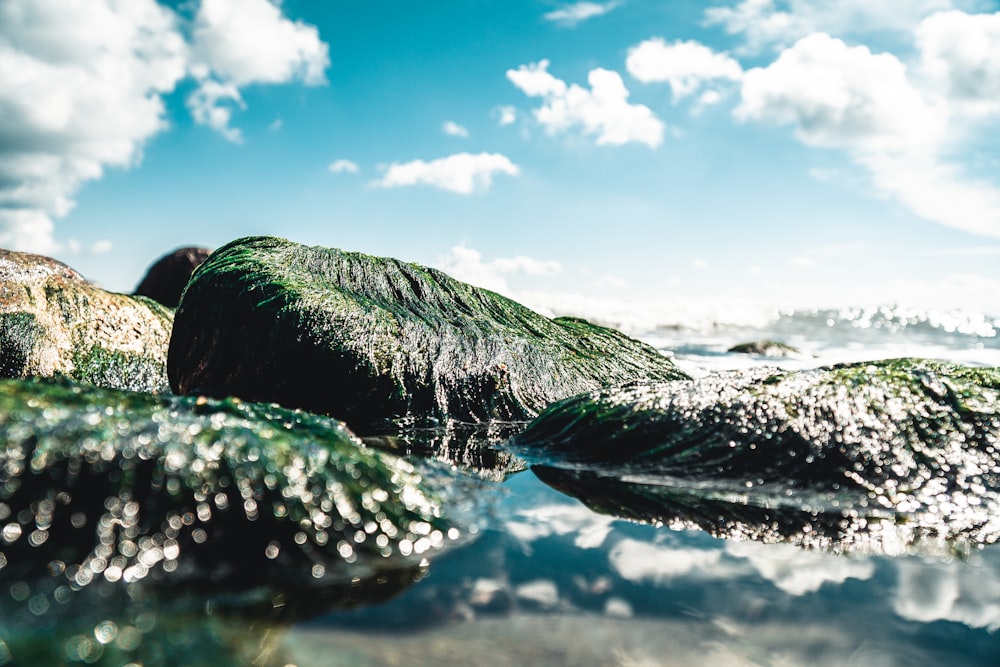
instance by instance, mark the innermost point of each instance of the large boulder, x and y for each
(369, 339)
(123, 486)
(903, 437)
(165, 280)
(54, 322)
(188, 518)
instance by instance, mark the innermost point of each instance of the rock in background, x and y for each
(369, 339)
(54, 322)
(166, 278)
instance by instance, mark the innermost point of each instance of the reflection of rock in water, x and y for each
(475, 448)
(181, 504)
(775, 454)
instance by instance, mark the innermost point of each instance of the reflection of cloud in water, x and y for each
(797, 571)
(639, 561)
(591, 529)
(964, 593)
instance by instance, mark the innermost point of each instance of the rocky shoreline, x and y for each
(218, 444)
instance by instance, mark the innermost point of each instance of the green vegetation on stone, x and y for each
(105, 486)
(369, 339)
(899, 436)
(53, 322)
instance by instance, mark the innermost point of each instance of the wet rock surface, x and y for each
(370, 339)
(54, 322)
(104, 487)
(766, 348)
(166, 278)
(898, 438)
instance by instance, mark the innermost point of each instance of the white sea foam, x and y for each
(698, 333)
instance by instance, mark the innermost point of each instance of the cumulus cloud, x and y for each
(453, 129)
(241, 42)
(343, 166)
(468, 265)
(685, 65)
(81, 88)
(849, 98)
(643, 562)
(602, 111)
(960, 54)
(573, 14)
(463, 173)
(778, 24)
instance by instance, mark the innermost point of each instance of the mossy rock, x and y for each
(54, 322)
(369, 340)
(115, 488)
(901, 436)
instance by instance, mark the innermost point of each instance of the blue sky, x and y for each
(591, 157)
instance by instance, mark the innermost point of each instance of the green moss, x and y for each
(19, 336)
(370, 339)
(902, 435)
(190, 490)
(114, 369)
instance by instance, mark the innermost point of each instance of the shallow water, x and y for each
(541, 579)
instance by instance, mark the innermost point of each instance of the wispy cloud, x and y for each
(506, 115)
(453, 129)
(343, 166)
(602, 111)
(578, 12)
(462, 173)
(468, 265)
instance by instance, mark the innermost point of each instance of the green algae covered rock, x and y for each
(899, 437)
(369, 339)
(106, 487)
(54, 322)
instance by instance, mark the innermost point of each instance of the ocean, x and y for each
(540, 578)
(548, 581)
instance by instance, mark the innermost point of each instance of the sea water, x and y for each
(548, 581)
(541, 579)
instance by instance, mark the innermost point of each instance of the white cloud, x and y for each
(208, 106)
(573, 14)
(846, 97)
(767, 23)
(506, 115)
(80, 91)
(468, 265)
(82, 86)
(798, 571)
(961, 55)
(685, 65)
(643, 562)
(453, 129)
(241, 42)
(343, 166)
(958, 592)
(463, 173)
(250, 41)
(603, 110)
